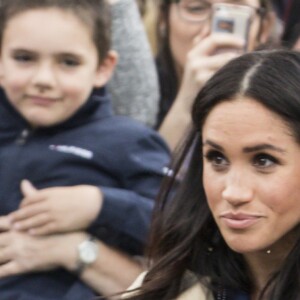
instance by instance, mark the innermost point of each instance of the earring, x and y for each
(210, 249)
(268, 251)
(214, 243)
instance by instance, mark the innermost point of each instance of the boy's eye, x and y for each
(217, 160)
(264, 161)
(23, 57)
(70, 62)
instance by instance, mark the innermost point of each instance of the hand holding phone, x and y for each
(232, 19)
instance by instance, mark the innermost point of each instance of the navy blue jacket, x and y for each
(125, 159)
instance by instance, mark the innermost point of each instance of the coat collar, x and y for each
(95, 108)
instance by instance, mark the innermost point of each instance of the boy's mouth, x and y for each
(42, 100)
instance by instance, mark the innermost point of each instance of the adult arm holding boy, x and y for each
(22, 253)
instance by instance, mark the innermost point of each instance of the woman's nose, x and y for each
(238, 189)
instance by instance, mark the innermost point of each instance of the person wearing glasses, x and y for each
(189, 54)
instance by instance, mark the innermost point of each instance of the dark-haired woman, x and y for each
(232, 232)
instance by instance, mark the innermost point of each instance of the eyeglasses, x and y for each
(197, 11)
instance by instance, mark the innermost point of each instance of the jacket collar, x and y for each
(97, 107)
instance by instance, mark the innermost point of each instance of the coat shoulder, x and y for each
(197, 291)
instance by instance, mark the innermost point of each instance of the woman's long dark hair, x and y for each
(184, 235)
(169, 81)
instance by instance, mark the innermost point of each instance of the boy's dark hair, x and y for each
(93, 13)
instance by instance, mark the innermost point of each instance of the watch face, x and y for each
(88, 251)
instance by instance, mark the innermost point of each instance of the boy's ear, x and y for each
(105, 70)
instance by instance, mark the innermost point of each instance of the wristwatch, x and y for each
(88, 251)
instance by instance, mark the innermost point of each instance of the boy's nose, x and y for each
(44, 76)
(237, 190)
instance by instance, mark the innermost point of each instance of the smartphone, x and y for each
(233, 19)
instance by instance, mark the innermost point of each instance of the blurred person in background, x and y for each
(188, 55)
(134, 87)
(149, 13)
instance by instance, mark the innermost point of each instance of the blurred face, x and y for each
(49, 65)
(183, 33)
(251, 176)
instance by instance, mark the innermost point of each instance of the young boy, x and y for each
(84, 167)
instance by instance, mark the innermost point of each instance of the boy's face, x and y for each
(49, 65)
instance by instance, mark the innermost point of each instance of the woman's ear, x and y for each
(270, 29)
(106, 69)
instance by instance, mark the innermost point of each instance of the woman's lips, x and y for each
(239, 221)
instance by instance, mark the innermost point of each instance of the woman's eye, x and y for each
(264, 161)
(217, 159)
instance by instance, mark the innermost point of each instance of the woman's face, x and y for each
(183, 33)
(251, 175)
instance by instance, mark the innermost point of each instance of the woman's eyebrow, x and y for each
(261, 147)
(255, 148)
(213, 144)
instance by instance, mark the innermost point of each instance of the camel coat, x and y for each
(196, 292)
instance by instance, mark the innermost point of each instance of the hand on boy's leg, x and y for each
(57, 209)
(21, 253)
(5, 223)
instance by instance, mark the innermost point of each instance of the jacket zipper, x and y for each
(22, 139)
